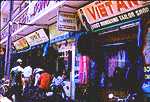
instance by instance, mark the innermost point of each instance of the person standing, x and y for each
(16, 80)
(36, 74)
(27, 72)
(45, 80)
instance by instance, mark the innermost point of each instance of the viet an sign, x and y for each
(67, 21)
(38, 37)
(21, 44)
(100, 14)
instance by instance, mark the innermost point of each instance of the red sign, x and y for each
(102, 10)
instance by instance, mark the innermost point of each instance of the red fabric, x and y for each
(45, 80)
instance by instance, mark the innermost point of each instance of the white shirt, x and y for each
(19, 68)
(27, 72)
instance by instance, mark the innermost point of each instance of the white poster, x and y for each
(38, 37)
(67, 21)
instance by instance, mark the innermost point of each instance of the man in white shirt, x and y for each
(17, 81)
(27, 72)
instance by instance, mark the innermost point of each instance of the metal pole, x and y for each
(8, 45)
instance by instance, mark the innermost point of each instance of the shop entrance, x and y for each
(120, 61)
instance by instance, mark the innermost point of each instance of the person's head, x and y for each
(19, 62)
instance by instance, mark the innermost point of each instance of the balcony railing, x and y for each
(16, 12)
(19, 9)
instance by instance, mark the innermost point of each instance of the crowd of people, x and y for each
(29, 84)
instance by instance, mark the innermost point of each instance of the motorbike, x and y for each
(131, 97)
(61, 91)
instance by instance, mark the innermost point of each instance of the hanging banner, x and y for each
(67, 21)
(100, 14)
(37, 37)
(21, 44)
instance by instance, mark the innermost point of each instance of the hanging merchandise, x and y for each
(112, 64)
(83, 69)
(121, 58)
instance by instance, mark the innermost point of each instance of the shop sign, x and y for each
(67, 21)
(100, 14)
(22, 18)
(53, 32)
(37, 37)
(21, 44)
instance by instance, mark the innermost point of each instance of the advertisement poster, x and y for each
(67, 21)
(100, 14)
(21, 44)
(38, 37)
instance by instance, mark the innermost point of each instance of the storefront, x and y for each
(30, 48)
(64, 43)
(119, 25)
(63, 39)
